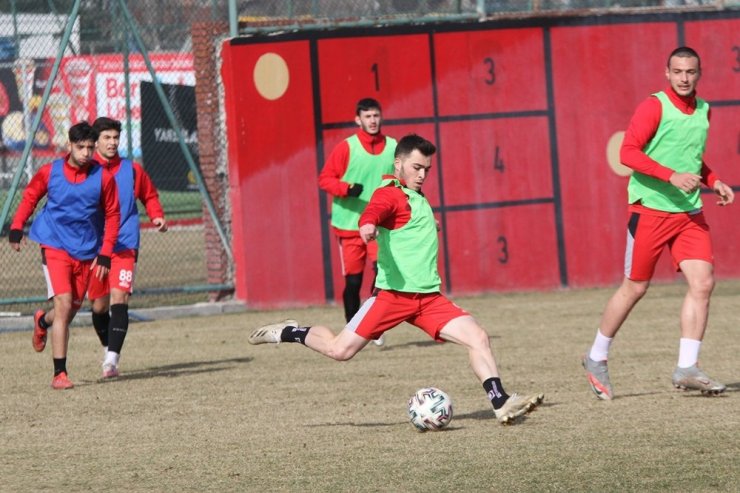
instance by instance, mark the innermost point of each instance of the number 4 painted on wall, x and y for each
(498, 161)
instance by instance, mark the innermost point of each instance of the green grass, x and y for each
(198, 409)
(178, 205)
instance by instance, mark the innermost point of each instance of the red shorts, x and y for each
(353, 252)
(121, 276)
(648, 232)
(65, 274)
(428, 311)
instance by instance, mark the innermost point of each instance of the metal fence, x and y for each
(104, 71)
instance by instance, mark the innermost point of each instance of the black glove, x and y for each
(15, 236)
(103, 261)
(355, 190)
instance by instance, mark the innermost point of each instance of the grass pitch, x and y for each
(198, 409)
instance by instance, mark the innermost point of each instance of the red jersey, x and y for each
(144, 189)
(336, 164)
(330, 178)
(39, 185)
(642, 128)
(388, 208)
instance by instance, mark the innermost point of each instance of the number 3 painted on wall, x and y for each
(503, 258)
(491, 70)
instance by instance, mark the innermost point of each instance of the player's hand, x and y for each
(355, 190)
(16, 239)
(368, 232)
(724, 192)
(687, 182)
(160, 223)
(101, 266)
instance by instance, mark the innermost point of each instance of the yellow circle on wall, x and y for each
(612, 154)
(271, 76)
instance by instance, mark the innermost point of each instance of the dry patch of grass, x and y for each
(198, 409)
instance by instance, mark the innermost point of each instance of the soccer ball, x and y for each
(430, 409)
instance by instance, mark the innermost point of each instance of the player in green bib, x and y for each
(350, 175)
(400, 219)
(664, 146)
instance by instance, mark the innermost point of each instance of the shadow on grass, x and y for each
(637, 394)
(382, 425)
(176, 370)
(487, 414)
(482, 415)
(359, 425)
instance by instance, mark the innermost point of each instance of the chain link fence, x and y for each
(104, 71)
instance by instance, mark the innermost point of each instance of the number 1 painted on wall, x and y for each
(374, 69)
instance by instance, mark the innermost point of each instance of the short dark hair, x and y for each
(81, 132)
(412, 142)
(367, 104)
(104, 123)
(683, 52)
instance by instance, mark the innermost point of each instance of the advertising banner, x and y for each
(160, 145)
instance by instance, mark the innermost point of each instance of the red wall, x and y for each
(521, 112)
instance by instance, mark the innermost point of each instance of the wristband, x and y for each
(103, 261)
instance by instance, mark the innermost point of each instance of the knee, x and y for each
(481, 340)
(477, 339)
(703, 287)
(635, 290)
(64, 309)
(341, 354)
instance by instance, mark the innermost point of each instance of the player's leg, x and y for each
(372, 255)
(41, 324)
(321, 339)
(459, 327)
(466, 332)
(66, 281)
(352, 254)
(351, 294)
(341, 347)
(695, 310)
(121, 281)
(378, 314)
(646, 238)
(692, 253)
(98, 292)
(42, 320)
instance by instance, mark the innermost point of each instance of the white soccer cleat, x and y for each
(380, 340)
(270, 334)
(692, 378)
(517, 405)
(110, 370)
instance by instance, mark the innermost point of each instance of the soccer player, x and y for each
(400, 219)
(110, 296)
(664, 145)
(351, 174)
(78, 192)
